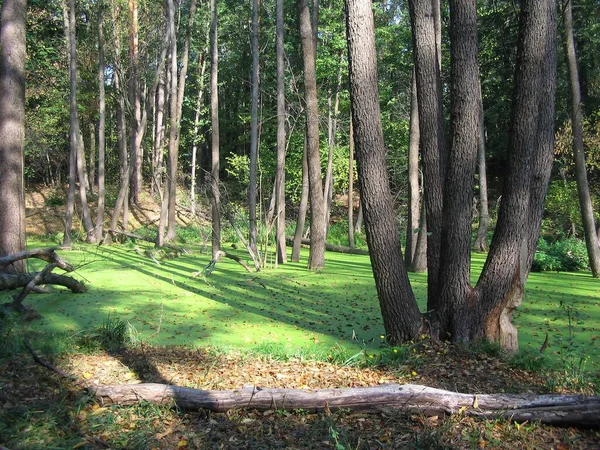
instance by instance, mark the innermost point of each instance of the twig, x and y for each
(53, 368)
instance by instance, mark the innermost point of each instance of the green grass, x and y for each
(289, 309)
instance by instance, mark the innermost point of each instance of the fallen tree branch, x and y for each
(332, 247)
(555, 409)
(142, 238)
(37, 278)
(9, 281)
(45, 254)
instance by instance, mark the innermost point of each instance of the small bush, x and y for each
(567, 255)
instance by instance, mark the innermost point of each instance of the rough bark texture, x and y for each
(316, 259)
(531, 147)
(401, 317)
(253, 132)
(9, 281)
(555, 409)
(432, 139)
(583, 190)
(12, 129)
(351, 242)
(454, 284)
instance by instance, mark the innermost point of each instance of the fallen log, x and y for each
(143, 238)
(10, 281)
(45, 254)
(555, 409)
(333, 248)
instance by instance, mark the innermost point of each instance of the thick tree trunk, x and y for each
(401, 317)
(302, 208)
(281, 253)
(583, 190)
(432, 138)
(135, 102)
(531, 148)
(454, 283)
(554, 409)
(12, 129)
(214, 114)
(316, 259)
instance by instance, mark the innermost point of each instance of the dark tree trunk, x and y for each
(316, 259)
(401, 317)
(531, 147)
(12, 130)
(432, 139)
(454, 283)
(583, 190)
(351, 242)
(253, 132)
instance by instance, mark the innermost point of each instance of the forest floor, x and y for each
(39, 410)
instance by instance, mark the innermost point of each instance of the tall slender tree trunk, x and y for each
(199, 105)
(76, 140)
(351, 242)
(92, 159)
(101, 125)
(159, 140)
(401, 317)
(583, 190)
(481, 243)
(414, 194)
(316, 258)
(12, 129)
(136, 103)
(214, 114)
(281, 254)
(302, 208)
(253, 132)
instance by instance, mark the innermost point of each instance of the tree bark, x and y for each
(531, 149)
(316, 259)
(101, 125)
(199, 105)
(253, 132)
(432, 138)
(554, 409)
(583, 190)
(351, 242)
(401, 317)
(281, 253)
(12, 129)
(9, 281)
(135, 102)
(301, 208)
(414, 195)
(214, 114)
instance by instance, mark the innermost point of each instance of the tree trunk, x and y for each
(419, 262)
(414, 196)
(101, 126)
(481, 243)
(159, 140)
(454, 283)
(199, 104)
(253, 132)
(583, 190)
(351, 242)
(302, 208)
(214, 114)
(281, 253)
(316, 259)
(401, 317)
(92, 159)
(135, 102)
(554, 409)
(337, 248)
(531, 148)
(12, 130)
(432, 139)
(10, 281)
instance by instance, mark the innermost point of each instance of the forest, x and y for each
(242, 194)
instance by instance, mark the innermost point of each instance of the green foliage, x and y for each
(337, 234)
(567, 255)
(530, 359)
(111, 335)
(561, 210)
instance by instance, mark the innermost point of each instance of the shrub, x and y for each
(567, 255)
